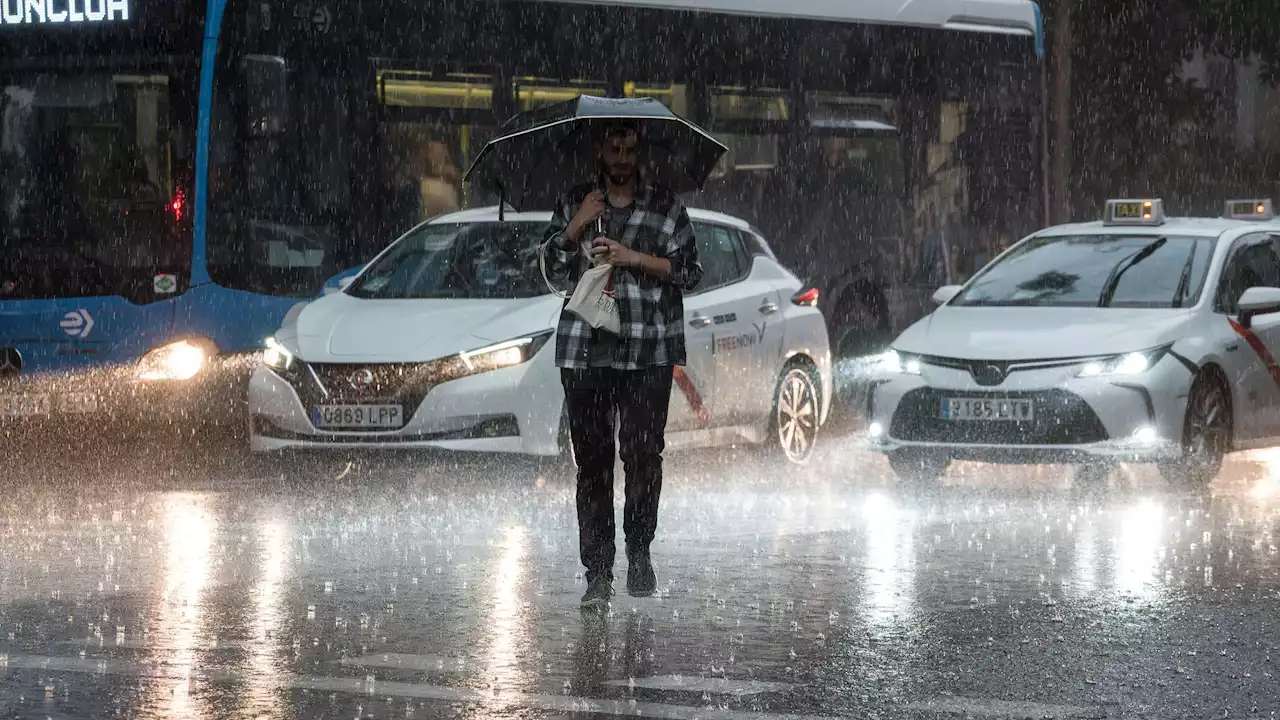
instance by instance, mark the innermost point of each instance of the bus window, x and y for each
(425, 164)
(748, 124)
(434, 126)
(674, 96)
(279, 196)
(87, 183)
(409, 88)
(532, 93)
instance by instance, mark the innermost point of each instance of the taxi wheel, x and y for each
(796, 409)
(1206, 434)
(918, 467)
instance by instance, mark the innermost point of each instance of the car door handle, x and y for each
(700, 321)
(769, 308)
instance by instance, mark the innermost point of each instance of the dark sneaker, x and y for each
(598, 593)
(641, 580)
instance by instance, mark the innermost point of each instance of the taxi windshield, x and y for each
(1124, 271)
(484, 260)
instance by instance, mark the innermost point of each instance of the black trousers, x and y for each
(638, 399)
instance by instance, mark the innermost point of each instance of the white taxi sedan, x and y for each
(446, 340)
(1138, 338)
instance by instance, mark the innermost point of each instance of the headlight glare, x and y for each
(180, 360)
(1134, 363)
(894, 362)
(503, 354)
(276, 356)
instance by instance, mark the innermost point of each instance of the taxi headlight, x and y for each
(276, 356)
(891, 361)
(181, 360)
(1134, 363)
(501, 355)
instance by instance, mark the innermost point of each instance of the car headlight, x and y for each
(276, 356)
(892, 361)
(502, 355)
(1134, 363)
(181, 360)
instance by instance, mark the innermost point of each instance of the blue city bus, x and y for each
(174, 177)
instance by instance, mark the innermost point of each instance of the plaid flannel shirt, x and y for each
(651, 311)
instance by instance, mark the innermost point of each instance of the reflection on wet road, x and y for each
(155, 582)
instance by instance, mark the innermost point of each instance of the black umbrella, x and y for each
(550, 150)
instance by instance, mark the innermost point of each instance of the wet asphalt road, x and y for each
(155, 580)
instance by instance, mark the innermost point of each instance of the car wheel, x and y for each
(796, 408)
(918, 466)
(1206, 434)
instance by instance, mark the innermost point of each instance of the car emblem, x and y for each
(987, 374)
(10, 362)
(361, 379)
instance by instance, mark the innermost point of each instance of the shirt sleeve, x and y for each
(682, 249)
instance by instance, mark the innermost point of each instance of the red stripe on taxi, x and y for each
(1259, 348)
(685, 383)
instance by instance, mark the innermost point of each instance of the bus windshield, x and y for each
(87, 194)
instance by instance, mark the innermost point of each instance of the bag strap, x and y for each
(542, 265)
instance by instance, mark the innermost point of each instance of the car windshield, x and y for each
(1132, 271)
(459, 260)
(88, 203)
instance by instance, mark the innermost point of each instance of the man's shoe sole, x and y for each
(641, 593)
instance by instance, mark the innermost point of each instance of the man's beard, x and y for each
(620, 177)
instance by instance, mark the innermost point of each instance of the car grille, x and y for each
(405, 384)
(1060, 418)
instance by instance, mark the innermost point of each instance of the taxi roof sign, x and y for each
(1255, 209)
(1145, 211)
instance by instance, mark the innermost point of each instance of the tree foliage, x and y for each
(1241, 29)
(1140, 127)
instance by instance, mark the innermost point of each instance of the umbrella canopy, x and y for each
(550, 150)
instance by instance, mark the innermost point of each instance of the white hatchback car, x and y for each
(1139, 338)
(446, 339)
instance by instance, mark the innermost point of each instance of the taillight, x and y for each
(807, 298)
(176, 206)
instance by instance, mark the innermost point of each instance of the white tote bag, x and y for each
(593, 299)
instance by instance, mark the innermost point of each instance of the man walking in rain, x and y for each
(648, 239)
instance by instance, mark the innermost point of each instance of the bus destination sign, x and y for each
(62, 12)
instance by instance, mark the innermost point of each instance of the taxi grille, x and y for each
(1060, 418)
(405, 384)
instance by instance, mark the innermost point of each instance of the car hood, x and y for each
(345, 329)
(1023, 333)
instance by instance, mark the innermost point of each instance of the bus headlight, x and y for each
(276, 356)
(180, 360)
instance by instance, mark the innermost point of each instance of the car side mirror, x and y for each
(345, 282)
(1258, 301)
(945, 294)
